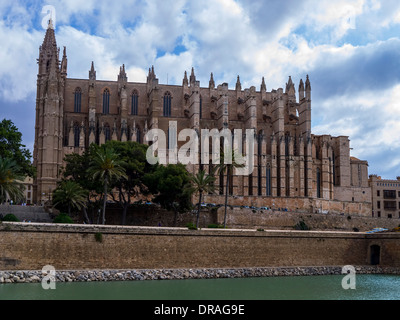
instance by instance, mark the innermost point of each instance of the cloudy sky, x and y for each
(350, 50)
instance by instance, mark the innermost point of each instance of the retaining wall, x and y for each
(80, 247)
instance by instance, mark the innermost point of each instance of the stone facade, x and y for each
(385, 197)
(290, 161)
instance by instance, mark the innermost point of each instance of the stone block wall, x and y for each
(76, 247)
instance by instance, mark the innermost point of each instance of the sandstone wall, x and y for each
(75, 247)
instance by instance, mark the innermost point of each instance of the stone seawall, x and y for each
(29, 246)
(7, 277)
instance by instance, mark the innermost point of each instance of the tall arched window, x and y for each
(106, 101)
(167, 105)
(78, 100)
(138, 137)
(107, 132)
(135, 103)
(77, 133)
(318, 183)
(268, 180)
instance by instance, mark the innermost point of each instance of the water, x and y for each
(368, 287)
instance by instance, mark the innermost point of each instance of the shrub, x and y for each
(191, 226)
(99, 237)
(215, 226)
(301, 226)
(10, 218)
(260, 229)
(63, 218)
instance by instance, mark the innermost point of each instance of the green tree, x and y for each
(199, 184)
(229, 161)
(133, 159)
(168, 183)
(76, 169)
(106, 165)
(10, 180)
(69, 194)
(11, 147)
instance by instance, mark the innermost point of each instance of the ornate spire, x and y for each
(263, 85)
(212, 83)
(122, 74)
(192, 77)
(308, 84)
(238, 84)
(301, 85)
(92, 72)
(151, 76)
(185, 80)
(290, 86)
(64, 62)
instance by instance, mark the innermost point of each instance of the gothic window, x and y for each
(318, 183)
(135, 103)
(268, 186)
(167, 105)
(106, 101)
(138, 137)
(77, 132)
(107, 132)
(78, 100)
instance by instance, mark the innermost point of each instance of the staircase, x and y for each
(26, 213)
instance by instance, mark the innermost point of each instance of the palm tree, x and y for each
(10, 184)
(71, 194)
(105, 165)
(227, 168)
(200, 183)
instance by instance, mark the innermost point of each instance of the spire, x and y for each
(122, 74)
(48, 51)
(308, 84)
(301, 89)
(64, 63)
(238, 84)
(151, 76)
(263, 85)
(92, 72)
(50, 25)
(290, 86)
(185, 80)
(212, 83)
(192, 78)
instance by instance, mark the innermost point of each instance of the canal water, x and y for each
(367, 287)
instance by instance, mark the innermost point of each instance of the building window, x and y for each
(77, 132)
(389, 205)
(269, 193)
(389, 194)
(319, 183)
(378, 205)
(78, 100)
(167, 105)
(107, 133)
(378, 193)
(138, 138)
(106, 101)
(135, 103)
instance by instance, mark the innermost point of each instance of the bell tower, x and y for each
(49, 134)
